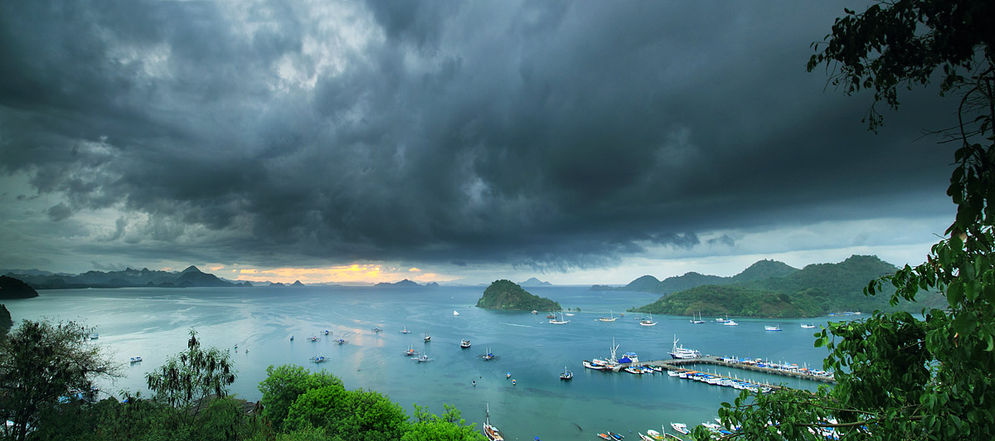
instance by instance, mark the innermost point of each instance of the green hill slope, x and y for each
(813, 291)
(508, 296)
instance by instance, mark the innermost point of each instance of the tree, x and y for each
(348, 415)
(192, 376)
(42, 362)
(450, 426)
(284, 384)
(902, 376)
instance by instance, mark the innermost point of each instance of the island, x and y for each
(402, 284)
(11, 288)
(506, 295)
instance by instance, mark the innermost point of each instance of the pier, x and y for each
(678, 364)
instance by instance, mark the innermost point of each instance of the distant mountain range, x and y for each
(404, 284)
(534, 282)
(774, 289)
(760, 270)
(190, 277)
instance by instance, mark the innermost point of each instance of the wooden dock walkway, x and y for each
(678, 364)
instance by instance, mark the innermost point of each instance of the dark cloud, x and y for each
(547, 134)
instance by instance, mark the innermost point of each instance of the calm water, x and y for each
(154, 324)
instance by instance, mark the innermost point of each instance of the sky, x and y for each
(461, 142)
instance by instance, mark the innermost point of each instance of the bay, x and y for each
(154, 323)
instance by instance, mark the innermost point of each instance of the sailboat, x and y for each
(428, 338)
(405, 330)
(410, 352)
(489, 355)
(772, 327)
(566, 375)
(492, 433)
(554, 321)
(610, 318)
(697, 321)
(648, 321)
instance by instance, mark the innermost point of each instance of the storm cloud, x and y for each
(549, 134)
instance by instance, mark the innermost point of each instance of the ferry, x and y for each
(682, 353)
(772, 327)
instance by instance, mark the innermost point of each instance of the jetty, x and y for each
(679, 364)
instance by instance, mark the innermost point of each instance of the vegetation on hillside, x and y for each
(5, 321)
(507, 295)
(813, 291)
(762, 269)
(11, 288)
(928, 376)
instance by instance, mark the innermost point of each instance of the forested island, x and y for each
(11, 288)
(813, 291)
(127, 278)
(508, 296)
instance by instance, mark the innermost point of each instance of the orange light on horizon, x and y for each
(354, 273)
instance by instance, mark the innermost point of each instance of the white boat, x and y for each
(566, 375)
(422, 358)
(680, 428)
(465, 343)
(455, 313)
(772, 327)
(596, 365)
(428, 338)
(611, 317)
(135, 359)
(570, 314)
(492, 433)
(730, 323)
(673, 373)
(554, 321)
(488, 356)
(682, 353)
(648, 321)
(696, 321)
(405, 330)
(318, 359)
(721, 320)
(807, 326)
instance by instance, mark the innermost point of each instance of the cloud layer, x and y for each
(551, 134)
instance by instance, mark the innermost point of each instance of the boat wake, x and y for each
(520, 326)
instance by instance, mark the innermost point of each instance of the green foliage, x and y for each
(902, 376)
(810, 292)
(348, 415)
(507, 295)
(193, 375)
(40, 362)
(5, 322)
(450, 426)
(282, 386)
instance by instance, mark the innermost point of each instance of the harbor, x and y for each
(684, 364)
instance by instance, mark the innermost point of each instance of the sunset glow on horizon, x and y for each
(354, 274)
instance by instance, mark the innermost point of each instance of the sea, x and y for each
(154, 323)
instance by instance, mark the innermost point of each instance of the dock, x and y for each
(678, 364)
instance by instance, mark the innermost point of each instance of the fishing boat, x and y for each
(465, 343)
(488, 355)
(680, 428)
(647, 321)
(492, 433)
(696, 321)
(598, 366)
(554, 321)
(135, 359)
(405, 330)
(730, 323)
(318, 359)
(411, 351)
(611, 317)
(680, 352)
(807, 326)
(772, 327)
(566, 375)
(422, 358)
(604, 436)
(428, 338)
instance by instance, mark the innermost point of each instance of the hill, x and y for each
(11, 288)
(813, 291)
(534, 282)
(508, 296)
(5, 321)
(760, 270)
(402, 284)
(645, 283)
(190, 277)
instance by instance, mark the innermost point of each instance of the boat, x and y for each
(615, 436)
(507, 375)
(318, 359)
(340, 341)
(680, 428)
(428, 338)
(492, 433)
(465, 343)
(595, 365)
(405, 330)
(696, 321)
(314, 338)
(291, 338)
(566, 375)
(807, 326)
(682, 353)
(772, 327)
(422, 358)
(730, 323)
(377, 330)
(326, 332)
(570, 314)
(94, 336)
(550, 316)
(534, 312)
(135, 359)
(488, 355)
(633, 370)
(554, 321)
(411, 351)
(721, 320)
(604, 436)
(647, 321)
(611, 317)
(455, 313)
